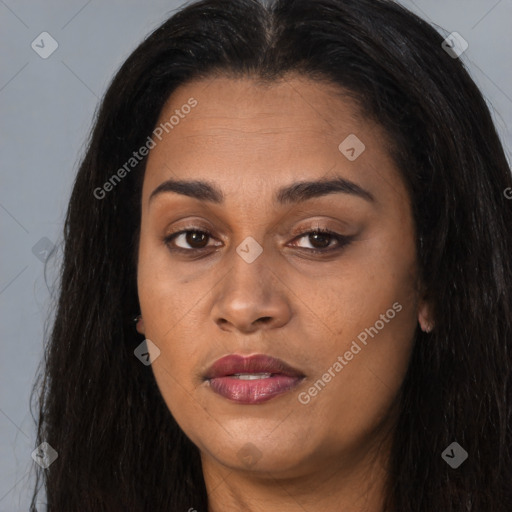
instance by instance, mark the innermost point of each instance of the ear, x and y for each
(140, 325)
(425, 316)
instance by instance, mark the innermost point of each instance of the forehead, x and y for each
(242, 131)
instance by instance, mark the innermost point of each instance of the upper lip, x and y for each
(259, 363)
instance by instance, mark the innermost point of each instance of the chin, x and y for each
(257, 454)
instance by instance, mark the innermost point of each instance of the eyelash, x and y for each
(342, 240)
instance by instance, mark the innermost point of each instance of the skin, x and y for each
(250, 140)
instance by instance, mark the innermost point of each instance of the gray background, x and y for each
(46, 111)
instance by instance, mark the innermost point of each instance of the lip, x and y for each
(222, 381)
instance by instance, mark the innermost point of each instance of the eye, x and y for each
(195, 240)
(321, 240)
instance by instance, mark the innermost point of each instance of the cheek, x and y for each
(357, 377)
(161, 306)
(372, 316)
(158, 284)
(166, 306)
(173, 307)
(376, 274)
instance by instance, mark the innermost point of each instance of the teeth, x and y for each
(251, 376)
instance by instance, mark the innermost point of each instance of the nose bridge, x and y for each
(249, 268)
(250, 292)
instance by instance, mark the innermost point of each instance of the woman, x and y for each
(302, 205)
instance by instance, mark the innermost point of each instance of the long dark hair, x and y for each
(118, 446)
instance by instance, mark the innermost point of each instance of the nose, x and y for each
(251, 297)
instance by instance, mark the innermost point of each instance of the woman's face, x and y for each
(277, 164)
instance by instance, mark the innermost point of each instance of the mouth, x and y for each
(253, 379)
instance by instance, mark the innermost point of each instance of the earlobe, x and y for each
(425, 318)
(139, 324)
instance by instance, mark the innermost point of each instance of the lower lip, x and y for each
(253, 391)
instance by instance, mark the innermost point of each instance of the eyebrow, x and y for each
(289, 194)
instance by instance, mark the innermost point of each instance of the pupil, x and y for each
(324, 236)
(192, 238)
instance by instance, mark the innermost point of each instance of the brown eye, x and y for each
(196, 239)
(321, 239)
(188, 240)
